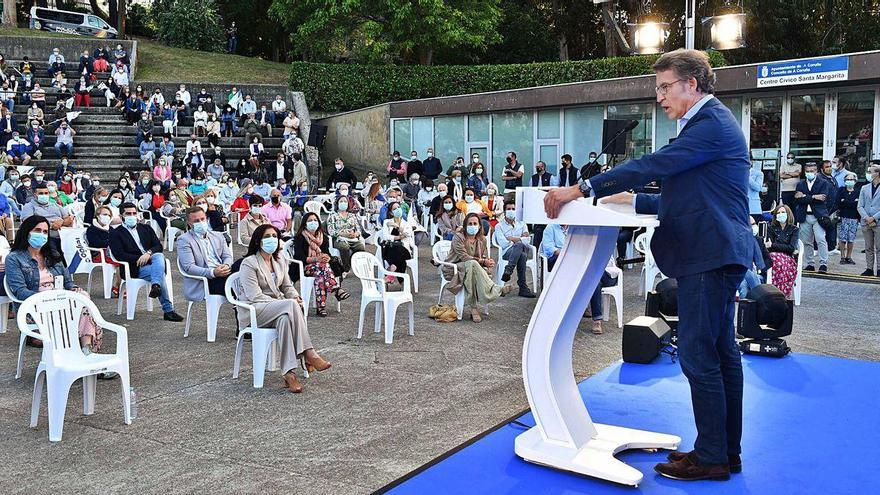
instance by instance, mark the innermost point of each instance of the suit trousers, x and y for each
(710, 359)
(811, 231)
(286, 316)
(872, 245)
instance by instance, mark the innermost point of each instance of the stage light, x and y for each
(648, 37)
(725, 32)
(764, 317)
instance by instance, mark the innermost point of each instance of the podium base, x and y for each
(596, 458)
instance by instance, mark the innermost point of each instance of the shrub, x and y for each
(193, 24)
(341, 87)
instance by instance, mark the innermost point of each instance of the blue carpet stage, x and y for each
(812, 426)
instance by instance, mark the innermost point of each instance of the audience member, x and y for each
(811, 212)
(311, 247)
(345, 231)
(203, 253)
(869, 211)
(254, 218)
(448, 219)
(512, 238)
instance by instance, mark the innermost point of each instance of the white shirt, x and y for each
(136, 237)
(810, 188)
(693, 111)
(210, 255)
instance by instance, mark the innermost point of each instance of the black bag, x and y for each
(826, 222)
(336, 266)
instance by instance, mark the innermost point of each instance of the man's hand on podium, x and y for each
(622, 198)
(556, 198)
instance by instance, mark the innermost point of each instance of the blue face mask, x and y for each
(269, 245)
(398, 212)
(131, 221)
(43, 199)
(343, 206)
(38, 239)
(782, 217)
(849, 183)
(447, 206)
(510, 214)
(472, 229)
(115, 202)
(312, 226)
(468, 199)
(810, 175)
(200, 227)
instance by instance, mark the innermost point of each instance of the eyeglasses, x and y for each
(664, 88)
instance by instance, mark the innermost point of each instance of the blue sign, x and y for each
(807, 71)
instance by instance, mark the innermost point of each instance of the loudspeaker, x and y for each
(643, 337)
(610, 128)
(317, 135)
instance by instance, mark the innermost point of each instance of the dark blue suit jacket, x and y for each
(703, 206)
(820, 208)
(126, 250)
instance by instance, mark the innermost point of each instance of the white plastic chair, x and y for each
(531, 264)
(369, 269)
(306, 284)
(212, 306)
(264, 340)
(650, 271)
(615, 292)
(22, 337)
(56, 314)
(78, 210)
(796, 288)
(108, 272)
(131, 286)
(412, 263)
(171, 233)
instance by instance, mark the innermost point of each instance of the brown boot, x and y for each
(597, 327)
(734, 461)
(687, 469)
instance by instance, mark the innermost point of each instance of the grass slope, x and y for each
(160, 63)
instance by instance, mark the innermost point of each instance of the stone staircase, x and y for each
(105, 144)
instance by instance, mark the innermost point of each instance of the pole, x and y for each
(690, 20)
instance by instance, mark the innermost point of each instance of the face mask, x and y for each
(338, 168)
(131, 221)
(447, 206)
(27, 183)
(430, 154)
(849, 183)
(37, 239)
(754, 230)
(414, 182)
(472, 230)
(429, 189)
(509, 160)
(304, 188)
(39, 178)
(269, 244)
(123, 185)
(312, 225)
(43, 199)
(442, 194)
(343, 192)
(476, 160)
(13, 177)
(211, 200)
(256, 210)
(199, 182)
(200, 227)
(764, 190)
(96, 183)
(393, 183)
(398, 212)
(810, 175)
(789, 160)
(457, 180)
(782, 217)
(491, 192)
(115, 202)
(52, 189)
(414, 157)
(145, 181)
(510, 214)
(342, 206)
(592, 157)
(479, 171)
(468, 199)
(868, 177)
(230, 184)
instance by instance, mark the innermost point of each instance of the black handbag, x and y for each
(336, 266)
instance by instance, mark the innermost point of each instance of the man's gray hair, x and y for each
(689, 64)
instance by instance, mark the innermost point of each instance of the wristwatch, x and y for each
(584, 187)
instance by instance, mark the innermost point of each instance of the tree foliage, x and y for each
(381, 31)
(193, 24)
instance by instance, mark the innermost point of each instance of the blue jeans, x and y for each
(596, 306)
(750, 281)
(711, 361)
(154, 273)
(64, 149)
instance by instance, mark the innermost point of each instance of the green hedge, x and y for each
(341, 87)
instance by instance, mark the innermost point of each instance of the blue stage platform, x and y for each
(812, 426)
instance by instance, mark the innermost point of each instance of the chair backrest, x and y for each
(56, 314)
(440, 250)
(365, 266)
(9, 292)
(642, 244)
(126, 269)
(312, 206)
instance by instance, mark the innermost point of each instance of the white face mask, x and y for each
(754, 230)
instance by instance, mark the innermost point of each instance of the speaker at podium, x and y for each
(565, 437)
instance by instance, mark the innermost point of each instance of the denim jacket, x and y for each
(23, 276)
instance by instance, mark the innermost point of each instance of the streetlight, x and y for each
(649, 36)
(725, 32)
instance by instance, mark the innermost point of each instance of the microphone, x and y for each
(586, 169)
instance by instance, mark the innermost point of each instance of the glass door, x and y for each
(854, 138)
(765, 137)
(807, 127)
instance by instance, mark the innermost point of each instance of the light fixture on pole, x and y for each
(726, 29)
(648, 36)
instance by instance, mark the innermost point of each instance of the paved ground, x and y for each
(380, 412)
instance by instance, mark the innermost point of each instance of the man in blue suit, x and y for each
(811, 204)
(704, 241)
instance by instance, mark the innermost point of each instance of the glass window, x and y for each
(666, 128)
(478, 128)
(583, 132)
(639, 143)
(855, 129)
(807, 127)
(95, 22)
(549, 154)
(402, 136)
(548, 124)
(766, 125)
(448, 139)
(512, 132)
(735, 105)
(422, 136)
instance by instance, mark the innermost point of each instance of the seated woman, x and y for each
(782, 242)
(396, 239)
(200, 120)
(212, 128)
(373, 202)
(216, 216)
(57, 196)
(345, 230)
(494, 203)
(197, 187)
(448, 219)
(264, 283)
(160, 201)
(162, 171)
(36, 113)
(98, 237)
(253, 219)
(311, 246)
(471, 255)
(470, 204)
(228, 193)
(343, 189)
(143, 184)
(32, 266)
(115, 199)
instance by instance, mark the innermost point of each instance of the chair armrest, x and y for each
(249, 308)
(120, 331)
(404, 276)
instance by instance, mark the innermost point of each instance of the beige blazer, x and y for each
(258, 285)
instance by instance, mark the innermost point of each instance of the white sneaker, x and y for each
(835, 252)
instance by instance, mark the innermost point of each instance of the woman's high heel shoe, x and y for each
(318, 364)
(291, 383)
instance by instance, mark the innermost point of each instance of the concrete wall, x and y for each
(360, 138)
(16, 47)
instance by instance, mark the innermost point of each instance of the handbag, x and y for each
(336, 266)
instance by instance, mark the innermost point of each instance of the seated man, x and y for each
(17, 150)
(512, 237)
(136, 244)
(279, 214)
(42, 205)
(203, 253)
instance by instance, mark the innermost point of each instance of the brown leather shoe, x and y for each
(291, 383)
(318, 364)
(734, 461)
(687, 470)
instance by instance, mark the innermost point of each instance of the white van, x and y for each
(65, 21)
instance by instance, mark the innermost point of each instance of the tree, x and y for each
(193, 24)
(387, 30)
(10, 13)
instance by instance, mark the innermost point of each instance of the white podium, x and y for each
(564, 436)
